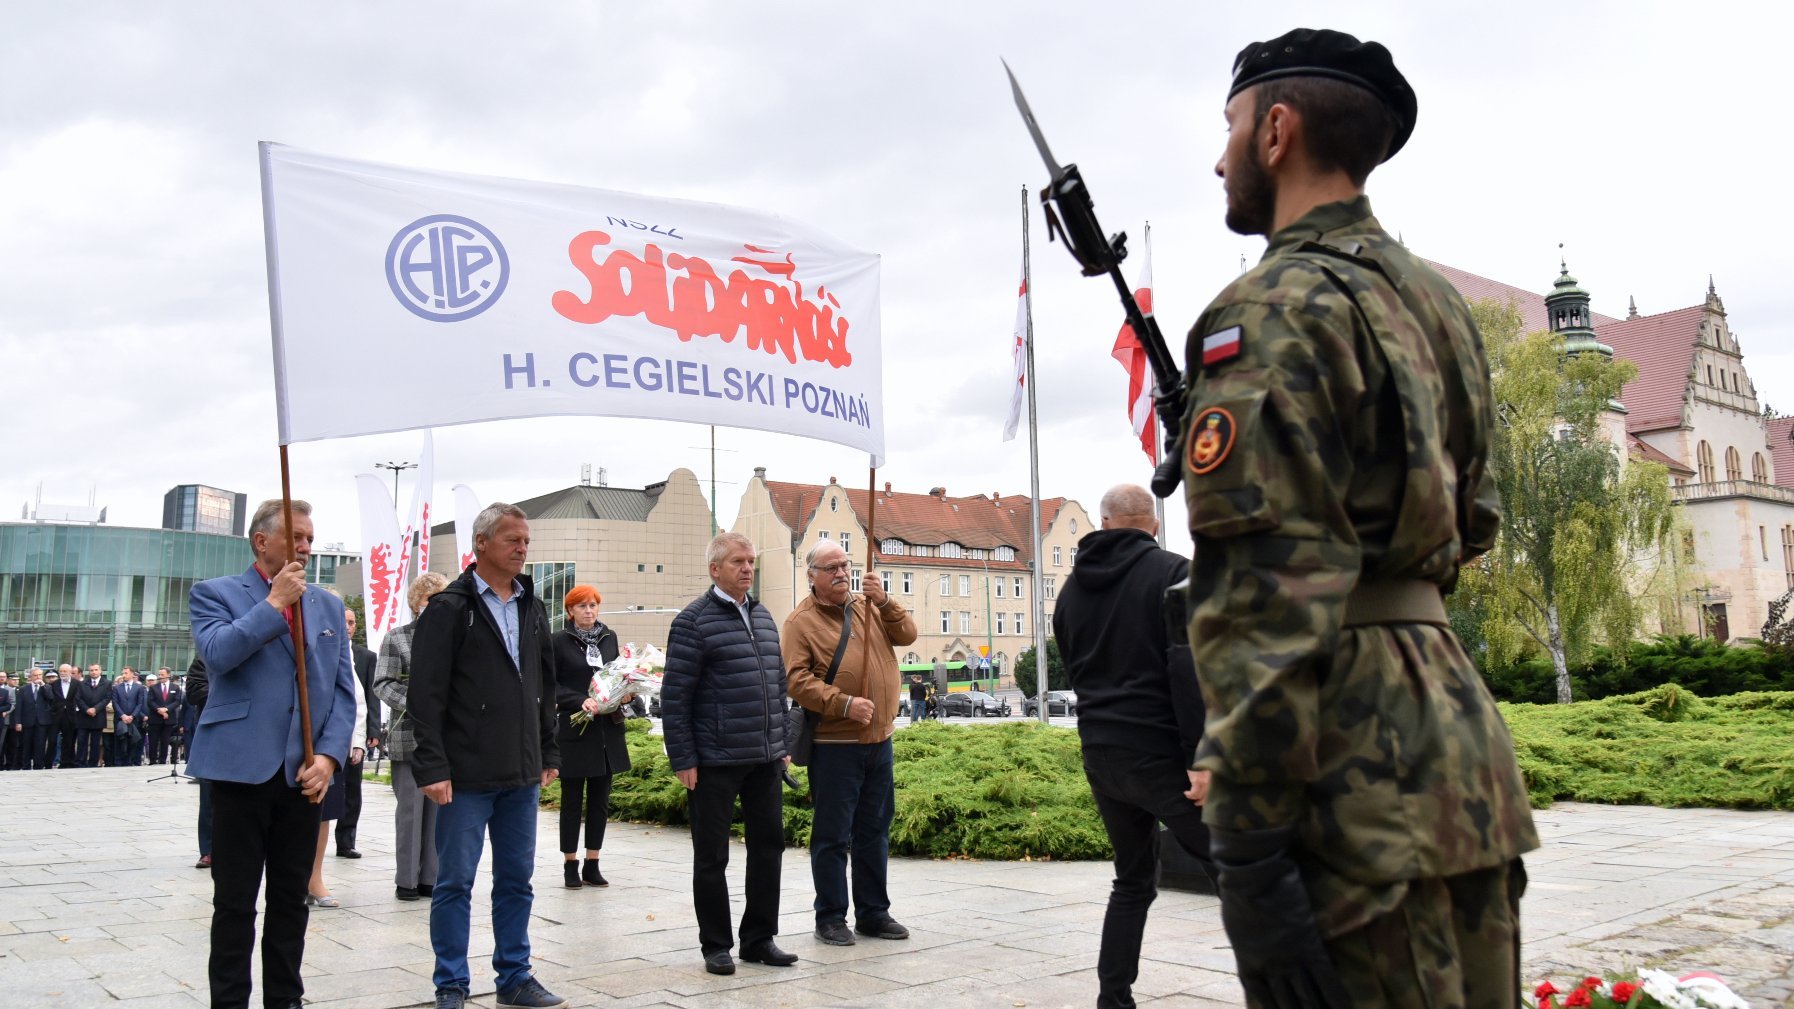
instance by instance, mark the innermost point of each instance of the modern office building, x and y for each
(96, 593)
(197, 508)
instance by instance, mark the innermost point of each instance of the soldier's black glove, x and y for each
(1270, 921)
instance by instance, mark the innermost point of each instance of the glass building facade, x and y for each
(94, 593)
(201, 509)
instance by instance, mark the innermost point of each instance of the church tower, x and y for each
(1568, 314)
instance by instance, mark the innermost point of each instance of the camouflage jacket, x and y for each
(1337, 433)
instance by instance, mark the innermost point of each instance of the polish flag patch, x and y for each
(1222, 346)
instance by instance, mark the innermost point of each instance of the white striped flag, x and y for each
(1019, 385)
(1139, 372)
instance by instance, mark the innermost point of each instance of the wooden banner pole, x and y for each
(286, 511)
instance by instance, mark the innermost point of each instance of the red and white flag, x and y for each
(1018, 386)
(417, 527)
(382, 577)
(1139, 372)
(467, 508)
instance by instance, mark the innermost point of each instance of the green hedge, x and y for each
(1705, 666)
(1017, 790)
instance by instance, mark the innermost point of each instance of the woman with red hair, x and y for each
(590, 753)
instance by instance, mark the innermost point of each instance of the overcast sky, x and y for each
(1649, 139)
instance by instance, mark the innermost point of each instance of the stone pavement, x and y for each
(99, 906)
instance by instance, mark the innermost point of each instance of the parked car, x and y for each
(1059, 702)
(974, 704)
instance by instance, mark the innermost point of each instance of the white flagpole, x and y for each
(1039, 606)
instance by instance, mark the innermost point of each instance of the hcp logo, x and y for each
(462, 266)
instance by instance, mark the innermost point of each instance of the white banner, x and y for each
(500, 298)
(417, 528)
(382, 576)
(467, 508)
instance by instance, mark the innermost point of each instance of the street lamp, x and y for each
(395, 467)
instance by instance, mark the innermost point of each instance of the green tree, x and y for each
(1026, 679)
(1587, 534)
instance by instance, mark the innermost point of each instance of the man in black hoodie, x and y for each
(1139, 716)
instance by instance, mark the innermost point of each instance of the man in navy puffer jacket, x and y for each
(724, 720)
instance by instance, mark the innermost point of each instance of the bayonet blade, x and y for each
(1021, 104)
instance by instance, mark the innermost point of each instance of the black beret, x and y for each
(1310, 52)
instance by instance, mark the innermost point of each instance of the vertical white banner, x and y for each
(417, 526)
(467, 508)
(382, 577)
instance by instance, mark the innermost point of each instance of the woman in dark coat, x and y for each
(591, 753)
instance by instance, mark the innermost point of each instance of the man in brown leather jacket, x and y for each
(850, 767)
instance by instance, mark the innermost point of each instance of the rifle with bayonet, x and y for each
(1074, 222)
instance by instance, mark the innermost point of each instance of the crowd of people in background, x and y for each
(67, 717)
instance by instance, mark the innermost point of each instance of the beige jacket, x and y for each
(868, 669)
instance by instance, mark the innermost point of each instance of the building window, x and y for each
(1018, 588)
(1759, 470)
(946, 587)
(1005, 553)
(951, 549)
(965, 621)
(999, 581)
(1002, 621)
(1734, 466)
(1763, 540)
(946, 625)
(965, 585)
(884, 581)
(847, 543)
(1709, 379)
(1058, 561)
(854, 582)
(1703, 460)
(909, 583)
(660, 569)
(1051, 586)
(821, 534)
(1074, 557)
(1788, 553)
(892, 548)
(639, 568)
(833, 502)
(1018, 624)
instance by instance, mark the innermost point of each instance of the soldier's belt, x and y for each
(1395, 601)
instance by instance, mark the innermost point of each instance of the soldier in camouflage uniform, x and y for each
(1367, 811)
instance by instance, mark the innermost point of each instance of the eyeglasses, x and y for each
(832, 569)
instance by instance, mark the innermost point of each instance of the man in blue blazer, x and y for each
(127, 714)
(248, 745)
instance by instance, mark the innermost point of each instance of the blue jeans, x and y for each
(461, 827)
(854, 798)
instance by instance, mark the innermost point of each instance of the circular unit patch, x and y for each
(1210, 440)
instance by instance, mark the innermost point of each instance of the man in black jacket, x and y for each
(351, 818)
(724, 707)
(1139, 716)
(482, 711)
(87, 699)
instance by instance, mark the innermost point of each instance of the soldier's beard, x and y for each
(1251, 197)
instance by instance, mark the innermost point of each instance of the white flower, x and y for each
(1712, 991)
(1666, 989)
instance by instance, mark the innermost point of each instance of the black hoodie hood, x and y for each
(1106, 556)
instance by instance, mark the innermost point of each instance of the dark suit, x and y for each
(249, 745)
(345, 827)
(127, 740)
(155, 726)
(82, 696)
(60, 740)
(33, 714)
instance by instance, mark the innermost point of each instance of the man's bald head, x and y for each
(1128, 506)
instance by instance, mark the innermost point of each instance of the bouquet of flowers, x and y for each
(635, 672)
(1654, 989)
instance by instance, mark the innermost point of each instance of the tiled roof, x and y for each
(1531, 305)
(623, 504)
(1781, 449)
(1644, 450)
(1662, 346)
(978, 522)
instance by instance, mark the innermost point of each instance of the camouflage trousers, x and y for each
(1452, 943)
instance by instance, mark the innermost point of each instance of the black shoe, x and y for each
(835, 933)
(768, 952)
(451, 997)
(347, 853)
(591, 875)
(884, 928)
(570, 870)
(406, 892)
(529, 994)
(719, 962)
(425, 889)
